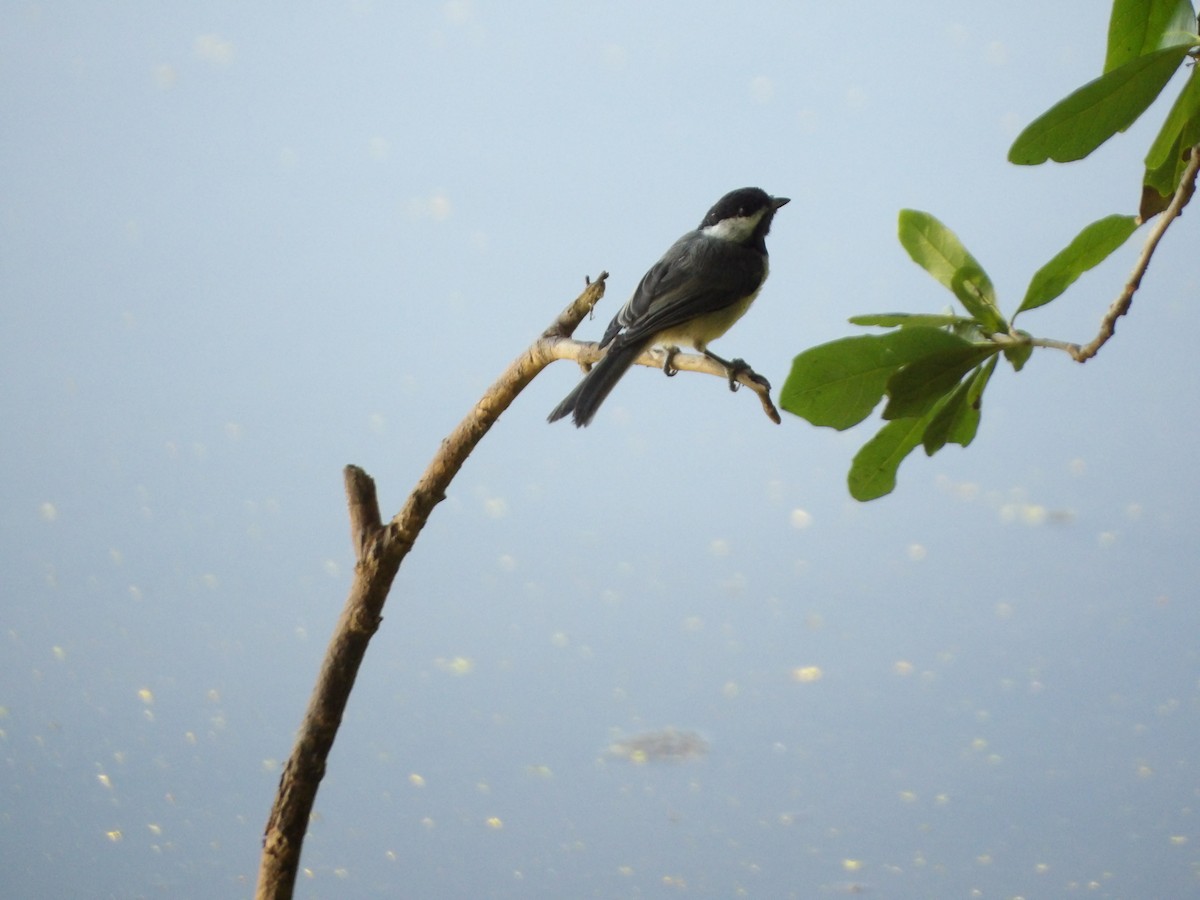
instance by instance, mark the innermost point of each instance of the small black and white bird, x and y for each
(691, 296)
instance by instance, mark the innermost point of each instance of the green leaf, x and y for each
(921, 385)
(948, 416)
(1089, 248)
(964, 432)
(873, 471)
(937, 250)
(839, 383)
(1018, 354)
(1161, 180)
(1077, 125)
(957, 420)
(907, 320)
(1138, 27)
(1165, 161)
(1159, 184)
(1185, 111)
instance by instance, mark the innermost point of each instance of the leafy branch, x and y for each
(933, 368)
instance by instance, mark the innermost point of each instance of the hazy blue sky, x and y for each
(243, 245)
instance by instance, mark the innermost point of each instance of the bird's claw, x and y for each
(736, 368)
(668, 363)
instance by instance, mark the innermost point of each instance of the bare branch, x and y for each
(380, 550)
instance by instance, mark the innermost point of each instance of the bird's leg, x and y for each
(734, 368)
(668, 363)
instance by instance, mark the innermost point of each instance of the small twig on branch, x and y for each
(1053, 344)
(568, 320)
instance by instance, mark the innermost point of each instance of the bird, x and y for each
(702, 285)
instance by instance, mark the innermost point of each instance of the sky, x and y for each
(243, 246)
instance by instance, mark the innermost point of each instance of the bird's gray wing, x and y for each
(687, 282)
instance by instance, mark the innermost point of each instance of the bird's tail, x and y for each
(597, 384)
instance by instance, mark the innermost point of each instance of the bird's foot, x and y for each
(669, 362)
(733, 369)
(736, 368)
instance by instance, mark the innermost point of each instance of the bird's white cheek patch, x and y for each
(736, 230)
